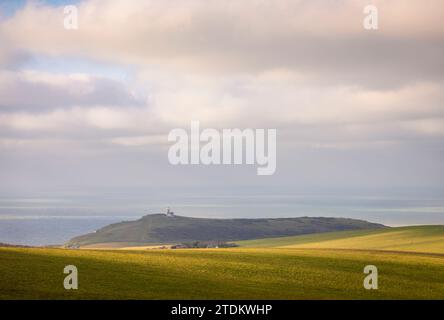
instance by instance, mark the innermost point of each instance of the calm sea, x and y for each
(48, 221)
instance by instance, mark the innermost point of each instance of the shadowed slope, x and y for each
(158, 228)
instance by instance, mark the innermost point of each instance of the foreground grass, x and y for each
(426, 239)
(239, 273)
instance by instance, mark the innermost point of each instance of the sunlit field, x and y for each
(235, 273)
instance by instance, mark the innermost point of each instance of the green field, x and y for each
(427, 239)
(236, 273)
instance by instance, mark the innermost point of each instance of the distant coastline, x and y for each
(172, 229)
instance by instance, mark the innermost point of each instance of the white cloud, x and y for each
(324, 38)
(135, 141)
(39, 91)
(305, 67)
(432, 127)
(302, 112)
(297, 65)
(77, 118)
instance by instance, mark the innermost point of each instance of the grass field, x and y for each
(427, 239)
(236, 273)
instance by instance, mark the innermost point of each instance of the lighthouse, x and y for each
(169, 213)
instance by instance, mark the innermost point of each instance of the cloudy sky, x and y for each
(92, 107)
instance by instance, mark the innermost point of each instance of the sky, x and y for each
(91, 108)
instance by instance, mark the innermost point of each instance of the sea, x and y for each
(41, 221)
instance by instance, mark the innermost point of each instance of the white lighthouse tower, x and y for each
(169, 213)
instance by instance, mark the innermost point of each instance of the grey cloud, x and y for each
(324, 39)
(20, 93)
(10, 57)
(351, 107)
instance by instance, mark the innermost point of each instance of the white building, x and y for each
(169, 213)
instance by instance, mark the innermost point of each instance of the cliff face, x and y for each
(158, 228)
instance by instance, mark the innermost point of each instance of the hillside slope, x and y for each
(237, 273)
(428, 239)
(158, 229)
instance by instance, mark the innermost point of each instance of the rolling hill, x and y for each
(235, 273)
(410, 261)
(160, 229)
(426, 239)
